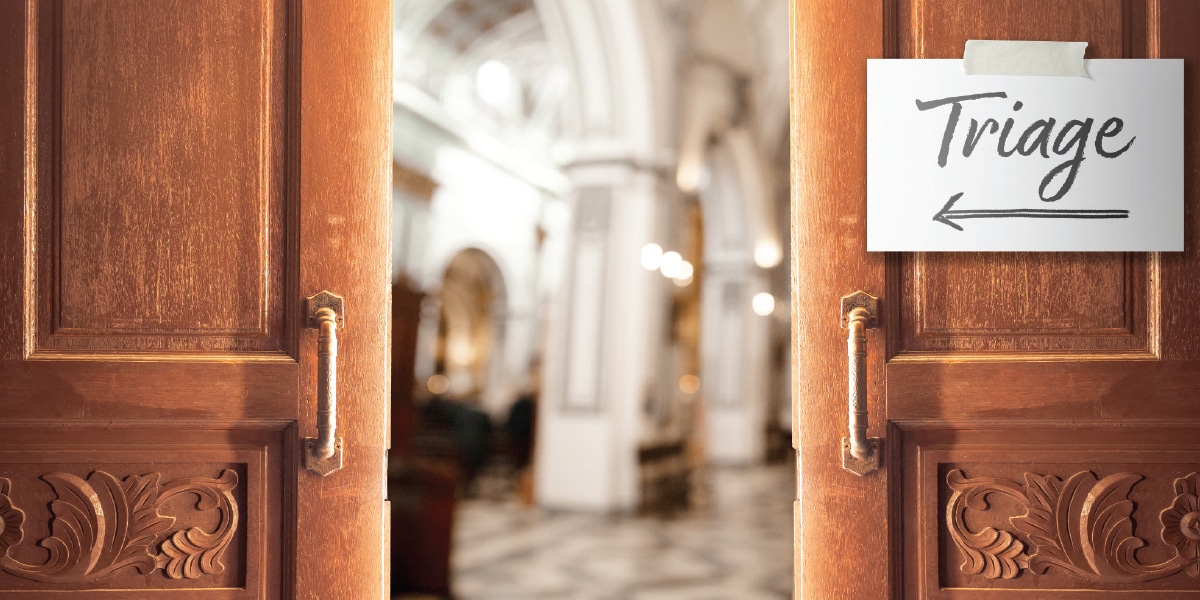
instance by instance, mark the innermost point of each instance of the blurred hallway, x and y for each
(738, 548)
(591, 306)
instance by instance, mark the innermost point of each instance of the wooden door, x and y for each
(1039, 413)
(176, 177)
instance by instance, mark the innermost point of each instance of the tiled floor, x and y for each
(738, 548)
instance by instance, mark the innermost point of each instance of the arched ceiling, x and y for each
(440, 45)
(463, 22)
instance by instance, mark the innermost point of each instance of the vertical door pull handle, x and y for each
(327, 314)
(860, 454)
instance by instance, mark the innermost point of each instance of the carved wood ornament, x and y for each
(103, 525)
(1083, 525)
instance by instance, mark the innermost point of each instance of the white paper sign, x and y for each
(1000, 162)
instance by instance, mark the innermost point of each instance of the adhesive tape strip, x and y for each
(996, 57)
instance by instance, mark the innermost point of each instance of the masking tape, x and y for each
(997, 57)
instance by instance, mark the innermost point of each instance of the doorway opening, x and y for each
(590, 219)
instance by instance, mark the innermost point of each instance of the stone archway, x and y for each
(469, 347)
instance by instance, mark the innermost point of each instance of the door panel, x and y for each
(200, 148)
(1022, 510)
(940, 28)
(123, 518)
(160, 227)
(1039, 409)
(1000, 303)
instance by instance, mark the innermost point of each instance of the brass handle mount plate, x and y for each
(860, 312)
(326, 313)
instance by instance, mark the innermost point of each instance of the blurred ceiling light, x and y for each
(689, 384)
(461, 351)
(493, 82)
(684, 275)
(670, 265)
(763, 304)
(687, 177)
(651, 256)
(767, 253)
(438, 384)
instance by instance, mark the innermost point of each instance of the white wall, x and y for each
(487, 206)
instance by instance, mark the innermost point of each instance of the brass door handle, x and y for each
(860, 454)
(326, 314)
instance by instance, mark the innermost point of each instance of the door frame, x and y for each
(342, 158)
(826, 44)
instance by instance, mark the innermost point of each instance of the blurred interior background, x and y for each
(591, 346)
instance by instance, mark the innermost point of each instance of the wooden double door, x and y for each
(176, 178)
(1038, 413)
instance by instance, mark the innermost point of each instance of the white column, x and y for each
(734, 357)
(598, 363)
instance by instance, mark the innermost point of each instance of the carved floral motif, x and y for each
(102, 526)
(1181, 522)
(1082, 525)
(11, 519)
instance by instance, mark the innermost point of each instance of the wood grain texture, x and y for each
(941, 28)
(1026, 302)
(1176, 23)
(181, 203)
(830, 44)
(1024, 391)
(345, 220)
(13, 185)
(120, 390)
(161, 218)
(1059, 365)
(1006, 302)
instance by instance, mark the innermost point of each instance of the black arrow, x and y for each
(946, 215)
